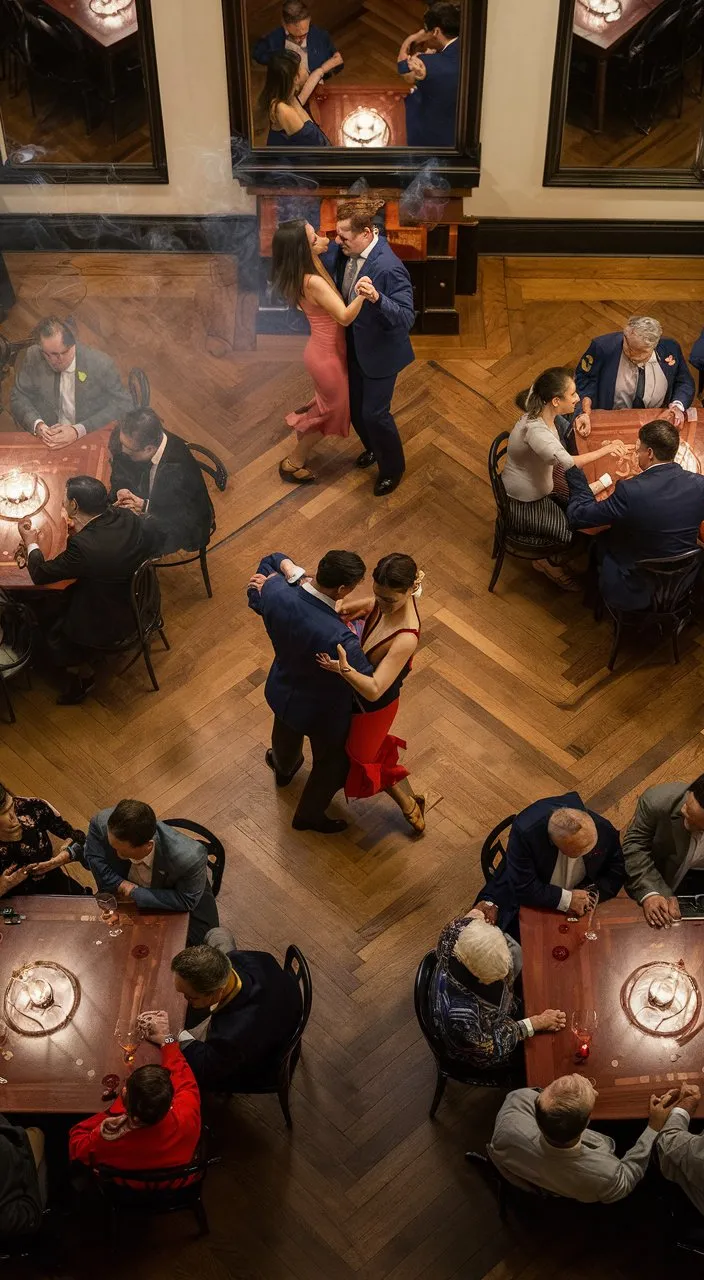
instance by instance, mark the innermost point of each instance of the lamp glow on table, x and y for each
(365, 127)
(607, 10)
(22, 494)
(109, 8)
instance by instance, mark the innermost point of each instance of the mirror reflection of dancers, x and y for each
(389, 639)
(286, 90)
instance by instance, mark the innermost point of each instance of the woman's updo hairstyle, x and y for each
(396, 571)
(549, 384)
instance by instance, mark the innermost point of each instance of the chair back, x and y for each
(421, 992)
(214, 850)
(16, 635)
(214, 466)
(497, 453)
(493, 850)
(145, 596)
(672, 578)
(139, 388)
(47, 34)
(158, 1190)
(655, 53)
(296, 963)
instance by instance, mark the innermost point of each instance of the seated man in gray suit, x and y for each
(150, 864)
(664, 849)
(542, 1139)
(681, 1153)
(65, 389)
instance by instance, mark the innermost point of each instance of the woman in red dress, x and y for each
(389, 638)
(299, 276)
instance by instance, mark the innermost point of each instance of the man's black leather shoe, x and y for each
(365, 459)
(382, 487)
(282, 779)
(326, 826)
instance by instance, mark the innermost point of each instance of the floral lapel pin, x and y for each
(670, 360)
(82, 376)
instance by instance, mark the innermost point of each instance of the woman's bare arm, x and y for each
(372, 687)
(319, 291)
(311, 83)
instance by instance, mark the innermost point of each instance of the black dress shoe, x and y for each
(76, 691)
(326, 826)
(282, 779)
(382, 487)
(365, 459)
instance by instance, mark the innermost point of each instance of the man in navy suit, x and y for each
(378, 345)
(301, 621)
(696, 355)
(557, 847)
(636, 369)
(650, 516)
(296, 33)
(431, 107)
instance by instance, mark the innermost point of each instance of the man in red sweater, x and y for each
(154, 1124)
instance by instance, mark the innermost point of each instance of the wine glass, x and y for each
(584, 1023)
(128, 1035)
(592, 930)
(107, 906)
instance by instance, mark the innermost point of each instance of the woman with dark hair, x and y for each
(300, 277)
(286, 90)
(389, 638)
(28, 863)
(534, 449)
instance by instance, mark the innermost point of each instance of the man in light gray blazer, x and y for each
(64, 389)
(664, 849)
(541, 1140)
(681, 1153)
(151, 864)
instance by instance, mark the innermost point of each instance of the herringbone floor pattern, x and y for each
(509, 699)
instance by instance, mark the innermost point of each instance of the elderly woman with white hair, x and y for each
(634, 369)
(472, 1002)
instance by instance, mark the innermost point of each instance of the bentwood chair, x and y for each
(507, 539)
(673, 580)
(139, 388)
(651, 65)
(211, 465)
(493, 850)
(16, 634)
(447, 1068)
(214, 850)
(145, 599)
(160, 1191)
(279, 1082)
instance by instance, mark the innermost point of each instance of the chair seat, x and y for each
(9, 657)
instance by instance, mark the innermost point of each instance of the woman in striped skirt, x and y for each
(534, 449)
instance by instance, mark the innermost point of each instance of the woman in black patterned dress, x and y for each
(27, 860)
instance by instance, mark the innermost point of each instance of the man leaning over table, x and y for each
(681, 1153)
(556, 849)
(64, 388)
(635, 369)
(664, 849)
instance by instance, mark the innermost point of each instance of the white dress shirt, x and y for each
(361, 258)
(655, 390)
(67, 401)
(695, 857)
(141, 872)
(154, 464)
(292, 46)
(568, 873)
(308, 586)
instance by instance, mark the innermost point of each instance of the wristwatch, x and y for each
(168, 1040)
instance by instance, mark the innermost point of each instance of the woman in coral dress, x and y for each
(299, 276)
(389, 638)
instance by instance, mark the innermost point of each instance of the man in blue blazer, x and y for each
(378, 346)
(650, 516)
(301, 621)
(636, 369)
(696, 355)
(312, 44)
(557, 847)
(431, 109)
(150, 864)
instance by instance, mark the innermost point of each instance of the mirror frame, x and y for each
(558, 175)
(109, 173)
(388, 166)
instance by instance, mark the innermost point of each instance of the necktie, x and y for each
(350, 276)
(638, 402)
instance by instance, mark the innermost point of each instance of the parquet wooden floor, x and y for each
(509, 699)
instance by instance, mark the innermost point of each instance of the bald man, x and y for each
(556, 849)
(542, 1140)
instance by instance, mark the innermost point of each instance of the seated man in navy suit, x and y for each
(557, 847)
(431, 107)
(651, 516)
(696, 355)
(636, 369)
(378, 345)
(301, 621)
(296, 33)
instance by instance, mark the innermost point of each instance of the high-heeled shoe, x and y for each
(293, 474)
(416, 816)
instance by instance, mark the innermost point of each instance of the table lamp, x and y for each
(22, 494)
(109, 8)
(609, 10)
(365, 127)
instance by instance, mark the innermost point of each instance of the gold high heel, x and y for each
(416, 816)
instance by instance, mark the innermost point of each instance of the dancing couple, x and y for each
(336, 678)
(358, 299)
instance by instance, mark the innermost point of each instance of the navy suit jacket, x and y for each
(431, 110)
(319, 47)
(696, 355)
(523, 880)
(380, 332)
(598, 369)
(654, 514)
(299, 625)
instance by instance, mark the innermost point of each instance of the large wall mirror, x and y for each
(312, 85)
(79, 92)
(627, 105)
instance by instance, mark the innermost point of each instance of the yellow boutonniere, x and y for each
(670, 360)
(82, 376)
(587, 363)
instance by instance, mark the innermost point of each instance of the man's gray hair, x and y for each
(564, 823)
(204, 968)
(49, 326)
(648, 329)
(563, 1109)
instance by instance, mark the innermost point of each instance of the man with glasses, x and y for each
(65, 389)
